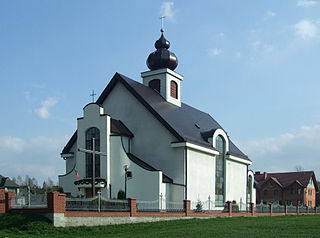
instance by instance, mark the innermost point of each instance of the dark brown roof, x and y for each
(180, 121)
(288, 178)
(119, 128)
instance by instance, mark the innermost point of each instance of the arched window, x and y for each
(155, 84)
(92, 132)
(249, 189)
(174, 89)
(220, 170)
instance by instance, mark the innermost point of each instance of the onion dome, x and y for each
(162, 57)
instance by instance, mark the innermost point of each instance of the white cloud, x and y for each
(215, 52)
(269, 14)
(306, 3)
(238, 54)
(262, 47)
(43, 111)
(306, 29)
(283, 152)
(37, 157)
(12, 143)
(166, 10)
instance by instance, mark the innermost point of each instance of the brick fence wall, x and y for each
(56, 210)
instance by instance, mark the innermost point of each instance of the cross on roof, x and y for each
(162, 23)
(92, 95)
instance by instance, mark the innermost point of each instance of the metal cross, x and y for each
(162, 23)
(92, 95)
(94, 153)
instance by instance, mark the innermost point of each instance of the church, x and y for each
(142, 139)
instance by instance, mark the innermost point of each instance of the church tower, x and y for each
(161, 76)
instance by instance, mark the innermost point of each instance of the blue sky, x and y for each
(253, 65)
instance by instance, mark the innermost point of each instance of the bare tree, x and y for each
(299, 168)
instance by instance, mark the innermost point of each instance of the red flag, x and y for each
(77, 174)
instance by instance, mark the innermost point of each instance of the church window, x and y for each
(249, 198)
(265, 192)
(155, 85)
(174, 89)
(276, 192)
(92, 132)
(293, 191)
(219, 193)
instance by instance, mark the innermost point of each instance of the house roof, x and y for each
(185, 123)
(288, 178)
(6, 182)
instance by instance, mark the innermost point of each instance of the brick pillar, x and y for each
(297, 210)
(187, 207)
(270, 207)
(285, 209)
(9, 196)
(133, 206)
(2, 201)
(252, 208)
(229, 208)
(56, 202)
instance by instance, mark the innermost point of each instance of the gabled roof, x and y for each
(287, 179)
(185, 123)
(6, 182)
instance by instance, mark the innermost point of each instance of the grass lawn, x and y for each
(22, 225)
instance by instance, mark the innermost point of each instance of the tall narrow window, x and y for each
(249, 198)
(93, 132)
(220, 146)
(155, 84)
(174, 89)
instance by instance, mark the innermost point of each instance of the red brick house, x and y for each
(298, 188)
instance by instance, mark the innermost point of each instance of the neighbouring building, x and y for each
(151, 144)
(296, 188)
(8, 185)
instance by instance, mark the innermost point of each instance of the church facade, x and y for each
(150, 144)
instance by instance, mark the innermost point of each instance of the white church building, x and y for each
(150, 144)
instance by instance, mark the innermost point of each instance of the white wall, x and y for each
(66, 181)
(152, 141)
(94, 117)
(201, 175)
(236, 181)
(145, 185)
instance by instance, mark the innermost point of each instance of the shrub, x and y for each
(199, 206)
(121, 194)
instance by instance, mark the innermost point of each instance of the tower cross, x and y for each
(94, 153)
(162, 23)
(92, 95)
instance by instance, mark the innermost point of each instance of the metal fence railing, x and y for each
(29, 201)
(277, 208)
(150, 206)
(175, 206)
(97, 203)
(261, 208)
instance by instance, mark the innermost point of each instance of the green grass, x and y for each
(27, 225)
